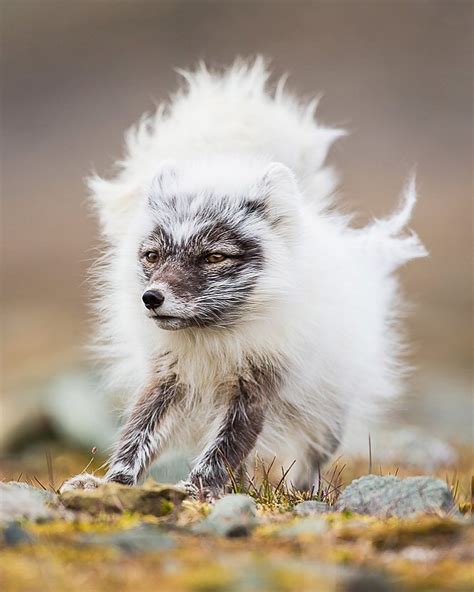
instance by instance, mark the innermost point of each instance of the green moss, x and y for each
(153, 499)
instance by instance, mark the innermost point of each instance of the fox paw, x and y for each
(202, 494)
(82, 481)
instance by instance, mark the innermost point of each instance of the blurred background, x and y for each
(75, 74)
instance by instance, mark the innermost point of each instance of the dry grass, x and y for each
(266, 483)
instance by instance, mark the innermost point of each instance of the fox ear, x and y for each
(117, 200)
(279, 180)
(165, 179)
(280, 193)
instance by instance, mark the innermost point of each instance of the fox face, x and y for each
(204, 249)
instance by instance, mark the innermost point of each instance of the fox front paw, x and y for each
(82, 481)
(121, 478)
(202, 494)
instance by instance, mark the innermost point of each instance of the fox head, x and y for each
(211, 240)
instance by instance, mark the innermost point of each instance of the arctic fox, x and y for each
(241, 313)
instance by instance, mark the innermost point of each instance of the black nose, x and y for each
(153, 299)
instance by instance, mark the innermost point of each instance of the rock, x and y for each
(44, 494)
(391, 496)
(21, 501)
(152, 498)
(141, 539)
(311, 507)
(233, 515)
(13, 534)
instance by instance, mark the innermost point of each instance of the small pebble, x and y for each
(233, 515)
(14, 534)
(21, 501)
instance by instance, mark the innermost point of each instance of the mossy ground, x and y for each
(430, 553)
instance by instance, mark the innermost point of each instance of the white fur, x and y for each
(328, 302)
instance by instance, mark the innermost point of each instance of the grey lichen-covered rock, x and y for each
(391, 496)
(140, 539)
(233, 515)
(152, 498)
(311, 507)
(21, 501)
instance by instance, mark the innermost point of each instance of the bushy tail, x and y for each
(385, 239)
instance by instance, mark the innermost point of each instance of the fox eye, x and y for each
(151, 256)
(215, 258)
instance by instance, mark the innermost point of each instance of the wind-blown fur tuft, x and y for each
(303, 311)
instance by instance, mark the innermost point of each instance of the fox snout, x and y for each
(153, 299)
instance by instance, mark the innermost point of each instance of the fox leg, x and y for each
(239, 429)
(147, 427)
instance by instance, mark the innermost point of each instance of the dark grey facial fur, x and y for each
(210, 293)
